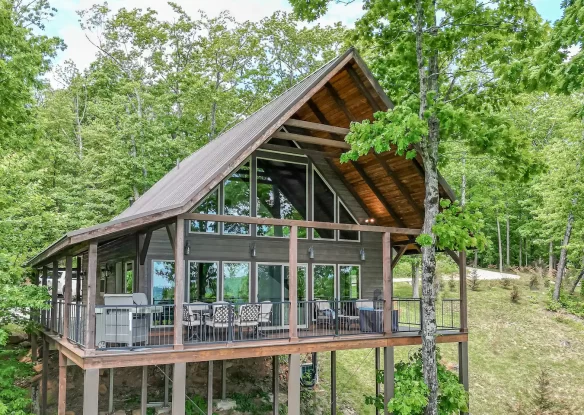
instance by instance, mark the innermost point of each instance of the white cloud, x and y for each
(82, 52)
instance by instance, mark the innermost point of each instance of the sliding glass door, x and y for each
(163, 293)
(273, 286)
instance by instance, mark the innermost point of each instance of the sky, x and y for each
(66, 22)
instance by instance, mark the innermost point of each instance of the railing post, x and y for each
(90, 298)
(293, 283)
(420, 305)
(67, 294)
(387, 284)
(179, 282)
(336, 316)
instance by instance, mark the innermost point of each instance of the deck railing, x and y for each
(409, 314)
(77, 323)
(135, 326)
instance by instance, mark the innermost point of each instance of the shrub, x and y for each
(553, 305)
(451, 284)
(474, 280)
(534, 282)
(542, 397)
(515, 295)
(411, 393)
(506, 283)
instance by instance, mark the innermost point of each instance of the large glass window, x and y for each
(349, 278)
(163, 292)
(324, 206)
(236, 282)
(345, 217)
(203, 281)
(210, 205)
(324, 282)
(237, 195)
(281, 194)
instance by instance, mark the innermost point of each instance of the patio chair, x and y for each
(348, 314)
(222, 317)
(193, 318)
(324, 313)
(249, 316)
(265, 314)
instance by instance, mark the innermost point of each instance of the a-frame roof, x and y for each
(388, 187)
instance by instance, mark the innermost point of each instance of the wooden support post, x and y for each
(144, 391)
(166, 384)
(294, 384)
(387, 284)
(179, 282)
(54, 296)
(78, 286)
(210, 389)
(44, 313)
(45, 376)
(224, 379)
(67, 294)
(91, 392)
(462, 289)
(293, 282)
(62, 405)
(90, 297)
(275, 385)
(463, 365)
(33, 347)
(111, 391)
(377, 368)
(388, 377)
(333, 383)
(179, 378)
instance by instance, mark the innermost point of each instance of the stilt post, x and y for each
(144, 391)
(179, 377)
(388, 377)
(333, 383)
(224, 379)
(45, 376)
(294, 384)
(91, 392)
(111, 391)
(210, 389)
(275, 385)
(377, 368)
(166, 384)
(62, 404)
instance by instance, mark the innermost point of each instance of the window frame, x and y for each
(335, 269)
(339, 281)
(338, 232)
(334, 238)
(223, 278)
(188, 271)
(217, 189)
(308, 178)
(222, 201)
(282, 264)
(126, 274)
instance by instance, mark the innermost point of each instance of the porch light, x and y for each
(362, 254)
(253, 250)
(311, 252)
(188, 248)
(370, 221)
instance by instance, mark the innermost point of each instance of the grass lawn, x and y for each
(509, 345)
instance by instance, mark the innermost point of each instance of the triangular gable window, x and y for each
(209, 205)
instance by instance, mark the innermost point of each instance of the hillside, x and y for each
(509, 345)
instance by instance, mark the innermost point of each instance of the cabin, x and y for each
(261, 243)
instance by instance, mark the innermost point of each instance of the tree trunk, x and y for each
(577, 281)
(563, 254)
(520, 259)
(415, 280)
(551, 259)
(500, 245)
(508, 245)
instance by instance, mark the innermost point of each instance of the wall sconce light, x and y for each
(311, 252)
(188, 248)
(253, 250)
(370, 221)
(362, 254)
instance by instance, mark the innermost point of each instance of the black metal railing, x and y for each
(408, 314)
(77, 323)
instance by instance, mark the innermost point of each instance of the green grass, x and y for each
(509, 345)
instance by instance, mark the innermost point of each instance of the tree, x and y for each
(449, 66)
